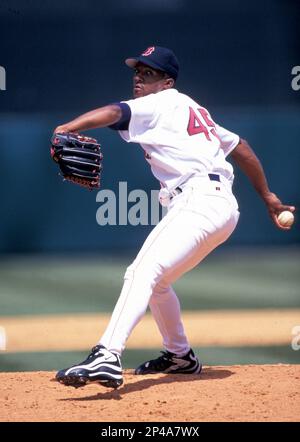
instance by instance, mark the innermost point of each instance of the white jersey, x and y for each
(179, 138)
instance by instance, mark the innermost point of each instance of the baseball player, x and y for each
(187, 152)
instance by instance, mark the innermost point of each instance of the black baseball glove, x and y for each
(79, 158)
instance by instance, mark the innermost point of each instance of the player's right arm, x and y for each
(248, 162)
(101, 117)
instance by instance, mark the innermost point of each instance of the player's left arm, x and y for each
(248, 162)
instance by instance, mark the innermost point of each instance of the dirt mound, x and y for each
(220, 393)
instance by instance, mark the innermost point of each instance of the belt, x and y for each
(211, 176)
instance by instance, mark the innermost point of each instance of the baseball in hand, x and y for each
(286, 218)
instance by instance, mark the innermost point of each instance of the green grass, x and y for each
(40, 361)
(239, 279)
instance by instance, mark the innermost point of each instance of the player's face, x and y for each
(147, 80)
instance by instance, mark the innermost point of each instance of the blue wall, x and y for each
(63, 58)
(41, 213)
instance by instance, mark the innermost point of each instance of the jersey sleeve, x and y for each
(143, 116)
(123, 123)
(229, 140)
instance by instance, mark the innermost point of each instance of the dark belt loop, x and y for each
(214, 177)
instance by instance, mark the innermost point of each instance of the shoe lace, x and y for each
(94, 351)
(159, 362)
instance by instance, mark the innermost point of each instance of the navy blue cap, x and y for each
(159, 58)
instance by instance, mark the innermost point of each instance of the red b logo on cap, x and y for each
(149, 51)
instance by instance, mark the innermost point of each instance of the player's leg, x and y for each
(103, 365)
(139, 281)
(178, 356)
(165, 305)
(178, 243)
(175, 245)
(165, 308)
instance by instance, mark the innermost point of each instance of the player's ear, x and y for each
(169, 82)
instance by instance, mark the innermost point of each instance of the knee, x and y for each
(161, 292)
(144, 273)
(161, 288)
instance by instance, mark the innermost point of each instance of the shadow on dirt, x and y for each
(143, 382)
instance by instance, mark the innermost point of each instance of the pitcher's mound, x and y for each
(227, 393)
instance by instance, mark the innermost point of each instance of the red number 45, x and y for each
(196, 126)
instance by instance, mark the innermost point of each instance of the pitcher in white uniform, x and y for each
(187, 154)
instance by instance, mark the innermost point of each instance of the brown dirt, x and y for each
(220, 393)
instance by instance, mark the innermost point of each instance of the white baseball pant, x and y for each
(199, 219)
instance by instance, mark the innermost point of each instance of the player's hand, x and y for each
(62, 129)
(275, 207)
